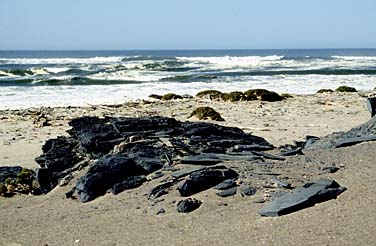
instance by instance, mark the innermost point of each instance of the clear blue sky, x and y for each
(190, 24)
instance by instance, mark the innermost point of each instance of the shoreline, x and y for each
(123, 219)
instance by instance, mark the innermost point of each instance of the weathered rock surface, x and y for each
(108, 171)
(58, 156)
(188, 205)
(204, 179)
(362, 133)
(128, 183)
(160, 190)
(305, 196)
(371, 106)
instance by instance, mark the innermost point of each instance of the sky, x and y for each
(191, 24)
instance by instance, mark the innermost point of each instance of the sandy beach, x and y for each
(130, 219)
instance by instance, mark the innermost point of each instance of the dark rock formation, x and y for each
(45, 179)
(204, 179)
(104, 174)
(127, 149)
(305, 196)
(188, 205)
(58, 154)
(371, 106)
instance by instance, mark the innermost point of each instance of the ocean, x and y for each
(78, 78)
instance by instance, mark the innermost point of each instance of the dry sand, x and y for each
(130, 219)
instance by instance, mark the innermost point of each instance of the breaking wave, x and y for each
(139, 73)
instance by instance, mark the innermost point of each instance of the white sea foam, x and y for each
(56, 69)
(356, 58)
(24, 97)
(3, 73)
(133, 75)
(234, 60)
(39, 71)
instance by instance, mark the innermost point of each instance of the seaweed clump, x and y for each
(325, 91)
(286, 95)
(250, 95)
(171, 96)
(24, 182)
(212, 94)
(166, 97)
(262, 95)
(204, 113)
(234, 96)
(155, 96)
(344, 88)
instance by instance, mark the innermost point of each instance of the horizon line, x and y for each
(199, 49)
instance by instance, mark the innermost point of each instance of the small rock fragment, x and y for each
(188, 205)
(246, 190)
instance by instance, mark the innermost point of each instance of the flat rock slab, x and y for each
(204, 159)
(186, 171)
(229, 192)
(305, 196)
(227, 184)
(297, 151)
(356, 140)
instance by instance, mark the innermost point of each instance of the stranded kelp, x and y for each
(249, 95)
(205, 113)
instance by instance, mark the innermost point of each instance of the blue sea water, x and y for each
(62, 78)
